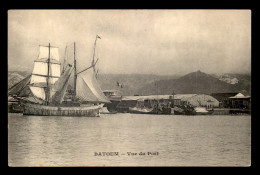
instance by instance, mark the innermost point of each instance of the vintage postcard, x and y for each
(129, 88)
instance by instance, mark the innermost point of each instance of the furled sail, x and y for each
(87, 88)
(60, 86)
(40, 74)
(21, 88)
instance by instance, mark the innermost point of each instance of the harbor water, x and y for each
(129, 140)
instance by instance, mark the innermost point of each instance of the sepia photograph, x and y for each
(129, 88)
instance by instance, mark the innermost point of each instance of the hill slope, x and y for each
(14, 77)
(131, 83)
(196, 82)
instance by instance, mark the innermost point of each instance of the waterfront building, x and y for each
(198, 100)
(240, 101)
(115, 97)
(223, 98)
(195, 100)
(126, 102)
(233, 100)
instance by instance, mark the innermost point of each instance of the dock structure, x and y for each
(195, 100)
(228, 111)
(234, 103)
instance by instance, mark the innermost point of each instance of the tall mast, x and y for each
(93, 60)
(157, 99)
(75, 72)
(48, 77)
(94, 54)
(65, 58)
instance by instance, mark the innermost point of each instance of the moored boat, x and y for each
(184, 110)
(163, 111)
(137, 110)
(203, 111)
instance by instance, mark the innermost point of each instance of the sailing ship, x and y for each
(45, 92)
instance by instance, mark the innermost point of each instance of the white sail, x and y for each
(40, 68)
(55, 70)
(38, 92)
(44, 53)
(40, 73)
(88, 89)
(84, 92)
(38, 81)
(52, 80)
(55, 53)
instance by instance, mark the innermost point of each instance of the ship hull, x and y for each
(44, 110)
(14, 108)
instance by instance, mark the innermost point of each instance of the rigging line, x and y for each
(65, 68)
(27, 85)
(45, 61)
(51, 76)
(88, 67)
(18, 83)
(49, 46)
(97, 37)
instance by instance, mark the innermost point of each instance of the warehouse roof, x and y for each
(184, 97)
(240, 95)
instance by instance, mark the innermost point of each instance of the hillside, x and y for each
(14, 77)
(196, 82)
(240, 81)
(131, 83)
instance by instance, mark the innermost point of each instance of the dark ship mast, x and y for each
(48, 77)
(75, 73)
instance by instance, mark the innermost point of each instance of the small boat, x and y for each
(178, 111)
(183, 110)
(145, 110)
(203, 111)
(137, 110)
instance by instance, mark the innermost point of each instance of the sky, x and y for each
(162, 42)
